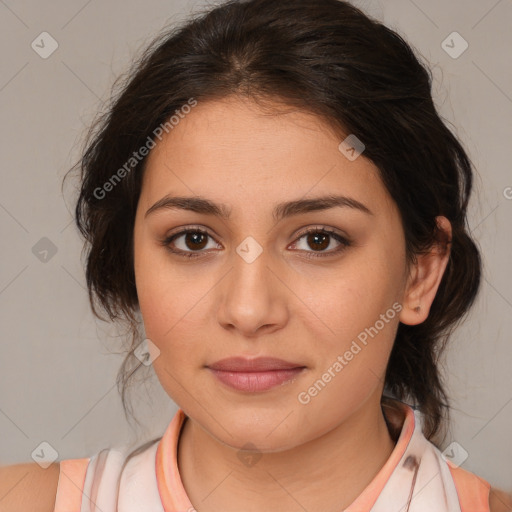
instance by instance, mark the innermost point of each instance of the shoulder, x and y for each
(499, 501)
(28, 487)
(476, 494)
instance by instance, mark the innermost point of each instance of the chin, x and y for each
(268, 433)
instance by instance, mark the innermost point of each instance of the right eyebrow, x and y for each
(281, 210)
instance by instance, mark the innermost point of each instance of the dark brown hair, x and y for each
(321, 56)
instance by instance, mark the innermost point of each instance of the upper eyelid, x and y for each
(343, 240)
(303, 232)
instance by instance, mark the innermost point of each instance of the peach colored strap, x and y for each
(71, 484)
(473, 491)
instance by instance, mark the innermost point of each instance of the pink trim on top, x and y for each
(171, 489)
(472, 490)
(174, 497)
(365, 501)
(70, 486)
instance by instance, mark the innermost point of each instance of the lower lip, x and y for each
(256, 381)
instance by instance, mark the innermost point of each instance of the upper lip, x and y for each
(242, 364)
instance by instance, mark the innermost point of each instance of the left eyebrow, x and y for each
(281, 210)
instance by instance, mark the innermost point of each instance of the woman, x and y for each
(275, 196)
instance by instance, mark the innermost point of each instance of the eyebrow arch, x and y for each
(286, 209)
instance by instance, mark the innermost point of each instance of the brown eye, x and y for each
(188, 243)
(195, 240)
(319, 240)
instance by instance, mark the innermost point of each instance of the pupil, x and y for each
(196, 239)
(312, 240)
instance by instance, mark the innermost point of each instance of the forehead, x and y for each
(233, 151)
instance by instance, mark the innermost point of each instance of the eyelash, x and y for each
(309, 254)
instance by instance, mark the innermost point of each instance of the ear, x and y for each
(425, 276)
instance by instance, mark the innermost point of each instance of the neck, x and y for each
(327, 473)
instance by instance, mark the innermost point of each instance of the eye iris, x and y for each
(313, 240)
(196, 238)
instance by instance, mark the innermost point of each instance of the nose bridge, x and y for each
(250, 297)
(250, 269)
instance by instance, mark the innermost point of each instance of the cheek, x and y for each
(343, 302)
(159, 303)
(171, 303)
(168, 323)
(353, 340)
(351, 366)
(166, 313)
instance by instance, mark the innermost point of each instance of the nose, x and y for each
(253, 297)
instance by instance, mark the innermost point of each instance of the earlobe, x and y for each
(425, 276)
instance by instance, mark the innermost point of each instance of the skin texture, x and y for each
(500, 501)
(28, 487)
(320, 455)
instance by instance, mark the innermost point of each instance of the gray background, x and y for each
(58, 364)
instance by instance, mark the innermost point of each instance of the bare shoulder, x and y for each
(28, 487)
(500, 501)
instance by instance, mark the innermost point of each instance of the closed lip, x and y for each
(259, 364)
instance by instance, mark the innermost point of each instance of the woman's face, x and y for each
(257, 284)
